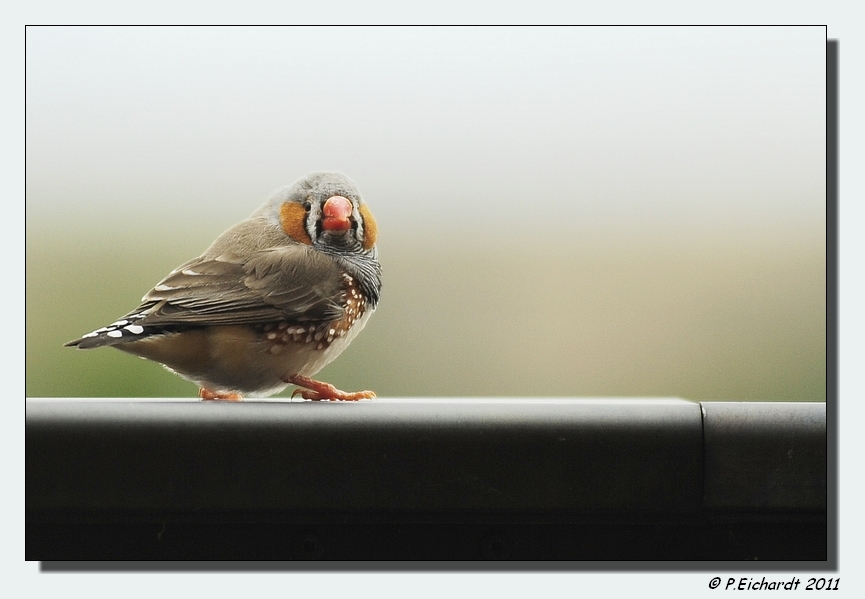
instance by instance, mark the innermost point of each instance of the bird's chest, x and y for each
(308, 347)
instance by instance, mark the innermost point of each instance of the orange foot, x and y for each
(207, 394)
(318, 391)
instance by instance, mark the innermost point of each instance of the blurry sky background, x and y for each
(578, 211)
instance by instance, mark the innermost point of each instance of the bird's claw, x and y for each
(313, 390)
(208, 395)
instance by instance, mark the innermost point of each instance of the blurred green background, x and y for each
(700, 319)
(563, 211)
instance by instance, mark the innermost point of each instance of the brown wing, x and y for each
(293, 283)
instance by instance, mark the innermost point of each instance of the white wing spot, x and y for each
(164, 288)
(189, 271)
(91, 335)
(115, 334)
(135, 329)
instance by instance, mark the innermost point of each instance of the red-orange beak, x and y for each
(336, 211)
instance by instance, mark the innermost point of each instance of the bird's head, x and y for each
(325, 210)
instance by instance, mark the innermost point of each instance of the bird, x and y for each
(272, 301)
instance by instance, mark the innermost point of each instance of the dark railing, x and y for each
(419, 479)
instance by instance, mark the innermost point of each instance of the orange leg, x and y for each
(318, 391)
(207, 394)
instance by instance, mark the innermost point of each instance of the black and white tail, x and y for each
(124, 330)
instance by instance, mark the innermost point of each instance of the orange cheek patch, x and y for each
(292, 217)
(370, 229)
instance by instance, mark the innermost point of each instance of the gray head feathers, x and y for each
(318, 186)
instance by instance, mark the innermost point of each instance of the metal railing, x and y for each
(560, 479)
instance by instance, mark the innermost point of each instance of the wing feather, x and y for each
(294, 283)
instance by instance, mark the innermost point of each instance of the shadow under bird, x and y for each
(272, 301)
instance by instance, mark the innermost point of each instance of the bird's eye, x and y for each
(307, 206)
